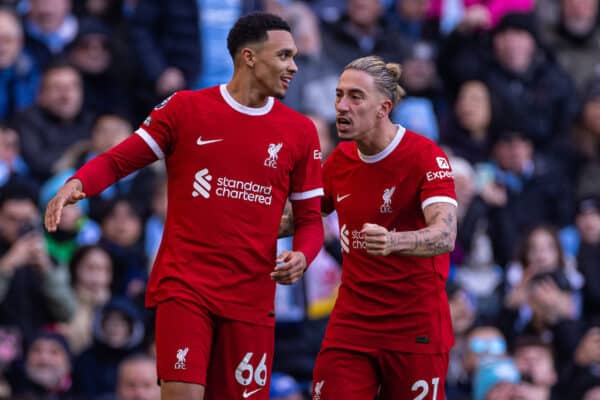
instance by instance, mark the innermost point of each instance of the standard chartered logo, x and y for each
(202, 183)
(344, 239)
(351, 239)
(231, 188)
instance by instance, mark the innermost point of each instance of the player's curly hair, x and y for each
(385, 75)
(253, 28)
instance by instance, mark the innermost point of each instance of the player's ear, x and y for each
(248, 56)
(384, 108)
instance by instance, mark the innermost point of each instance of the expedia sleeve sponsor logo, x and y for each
(432, 175)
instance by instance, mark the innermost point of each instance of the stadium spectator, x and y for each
(34, 291)
(49, 29)
(122, 237)
(585, 139)
(91, 271)
(468, 130)
(360, 32)
(518, 71)
(463, 311)
(418, 109)
(55, 123)
(46, 372)
(474, 14)
(496, 380)
(529, 189)
(588, 256)
(106, 79)
(19, 75)
(136, 379)
(581, 374)
(473, 256)
(409, 17)
(481, 344)
(535, 361)
(118, 332)
(313, 89)
(373, 338)
(11, 162)
(226, 192)
(575, 39)
(543, 297)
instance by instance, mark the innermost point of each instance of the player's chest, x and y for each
(372, 194)
(247, 145)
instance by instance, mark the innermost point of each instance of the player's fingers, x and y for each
(75, 197)
(284, 256)
(53, 214)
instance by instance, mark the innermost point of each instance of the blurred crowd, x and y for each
(509, 88)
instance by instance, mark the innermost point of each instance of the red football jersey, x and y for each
(396, 302)
(230, 170)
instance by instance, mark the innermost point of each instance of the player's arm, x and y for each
(98, 174)
(308, 240)
(286, 226)
(438, 237)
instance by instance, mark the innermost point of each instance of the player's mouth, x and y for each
(343, 123)
(285, 81)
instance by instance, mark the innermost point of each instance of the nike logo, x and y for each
(201, 142)
(340, 198)
(248, 394)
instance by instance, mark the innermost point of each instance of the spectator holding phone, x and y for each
(33, 290)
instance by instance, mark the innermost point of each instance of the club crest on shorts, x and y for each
(318, 388)
(181, 354)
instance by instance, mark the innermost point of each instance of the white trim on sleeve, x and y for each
(151, 143)
(307, 195)
(438, 199)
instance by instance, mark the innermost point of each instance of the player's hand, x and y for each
(290, 268)
(69, 193)
(378, 239)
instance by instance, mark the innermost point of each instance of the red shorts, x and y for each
(232, 359)
(361, 374)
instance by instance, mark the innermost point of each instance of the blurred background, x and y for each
(509, 88)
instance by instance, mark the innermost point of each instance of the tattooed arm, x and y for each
(437, 237)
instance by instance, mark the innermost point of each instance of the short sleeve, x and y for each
(437, 179)
(158, 129)
(306, 176)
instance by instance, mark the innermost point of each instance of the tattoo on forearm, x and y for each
(428, 241)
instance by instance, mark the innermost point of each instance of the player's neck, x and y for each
(244, 92)
(376, 140)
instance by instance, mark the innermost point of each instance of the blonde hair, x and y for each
(385, 75)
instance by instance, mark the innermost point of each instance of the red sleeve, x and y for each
(308, 227)
(306, 176)
(327, 205)
(100, 172)
(437, 180)
(153, 140)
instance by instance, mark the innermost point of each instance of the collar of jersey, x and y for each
(245, 109)
(370, 159)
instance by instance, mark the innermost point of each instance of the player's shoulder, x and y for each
(344, 151)
(415, 139)
(206, 93)
(292, 115)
